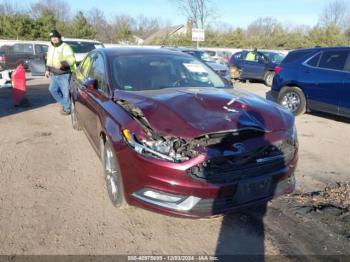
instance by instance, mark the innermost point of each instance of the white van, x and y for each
(82, 46)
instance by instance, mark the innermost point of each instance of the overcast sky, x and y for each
(237, 13)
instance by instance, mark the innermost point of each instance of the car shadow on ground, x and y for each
(336, 118)
(38, 96)
(242, 235)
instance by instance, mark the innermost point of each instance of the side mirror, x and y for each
(90, 84)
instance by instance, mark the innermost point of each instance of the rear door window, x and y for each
(314, 60)
(334, 59)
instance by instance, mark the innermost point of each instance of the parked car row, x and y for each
(203, 56)
(32, 54)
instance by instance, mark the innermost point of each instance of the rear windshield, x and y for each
(296, 56)
(83, 47)
(276, 58)
(201, 55)
(211, 53)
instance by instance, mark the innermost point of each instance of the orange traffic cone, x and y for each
(18, 78)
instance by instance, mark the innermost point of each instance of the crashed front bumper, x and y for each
(172, 191)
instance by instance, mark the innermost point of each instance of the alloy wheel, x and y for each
(291, 101)
(111, 174)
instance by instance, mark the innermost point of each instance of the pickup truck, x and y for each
(13, 54)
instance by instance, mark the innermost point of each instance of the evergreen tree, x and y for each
(81, 27)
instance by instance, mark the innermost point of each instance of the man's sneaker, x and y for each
(64, 113)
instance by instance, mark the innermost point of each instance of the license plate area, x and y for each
(253, 190)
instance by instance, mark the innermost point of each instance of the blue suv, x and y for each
(255, 65)
(314, 79)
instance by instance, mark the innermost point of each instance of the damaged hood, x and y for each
(194, 112)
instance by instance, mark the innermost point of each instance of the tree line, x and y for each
(35, 23)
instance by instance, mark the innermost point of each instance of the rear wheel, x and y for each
(293, 99)
(73, 115)
(269, 78)
(114, 183)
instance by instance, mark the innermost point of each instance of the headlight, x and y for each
(159, 149)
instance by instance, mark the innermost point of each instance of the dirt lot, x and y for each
(53, 198)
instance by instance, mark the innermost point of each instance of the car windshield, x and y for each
(274, 57)
(151, 72)
(83, 47)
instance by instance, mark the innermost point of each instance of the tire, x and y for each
(73, 115)
(112, 174)
(269, 78)
(293, 99)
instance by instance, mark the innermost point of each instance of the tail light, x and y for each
(278, 69)
(3, 59)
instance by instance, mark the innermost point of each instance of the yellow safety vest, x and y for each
(62, 53)
(250, 56)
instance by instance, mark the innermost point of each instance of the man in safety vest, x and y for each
(60, 64)
(251, 56)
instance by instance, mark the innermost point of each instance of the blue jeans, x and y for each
(59, 89)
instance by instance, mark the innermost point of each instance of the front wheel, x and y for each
(113, 177)
(269, 78)
(293, 99)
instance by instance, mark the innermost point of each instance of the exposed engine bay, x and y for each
(177, 149)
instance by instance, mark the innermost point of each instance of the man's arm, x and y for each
(70, 58)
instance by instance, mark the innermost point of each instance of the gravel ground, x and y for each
(53, 198)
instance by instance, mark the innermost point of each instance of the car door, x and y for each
(344, 108)
(253, 69)
(96, 97)
(37, 65)
(79, 90)
(323, 80)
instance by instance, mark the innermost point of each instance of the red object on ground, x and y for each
(18, 85)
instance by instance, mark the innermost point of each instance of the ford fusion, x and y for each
(176, 138)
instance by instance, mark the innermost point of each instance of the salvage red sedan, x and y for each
(176, 138)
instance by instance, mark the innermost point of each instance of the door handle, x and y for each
(306, 71)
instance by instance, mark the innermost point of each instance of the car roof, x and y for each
(138, 51)
(319, 48)
(184, 49)
(80, 40)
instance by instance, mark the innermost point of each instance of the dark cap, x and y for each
(55, 33)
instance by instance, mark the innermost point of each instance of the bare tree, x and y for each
(146, 26)
(263, 27)
(198, 11)
(336, 13)
(123, 28)
(99, 23)
(8, 7)
(60, 8)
